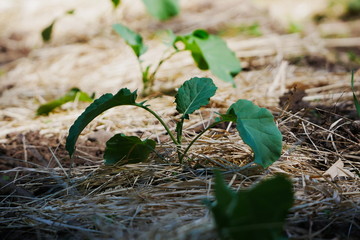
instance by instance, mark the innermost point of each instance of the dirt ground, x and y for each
(296, 58)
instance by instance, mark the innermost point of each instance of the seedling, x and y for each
(258, 213)
(255, 125)
(209, 52)
(72, 95)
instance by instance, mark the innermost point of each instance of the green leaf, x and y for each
(162, 9)
(211, 52)
(258, 213)
(105, 102)
(131, 38)
(70, 96)
(70, 12)
(127, 149)
(116, 3)
(224, 197)
(193, 94)
(47, 32)
(355, 99)
(257, 128)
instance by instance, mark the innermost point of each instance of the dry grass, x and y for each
(44, 194)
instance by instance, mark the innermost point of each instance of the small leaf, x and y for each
(211, 52)
(47, 32)
(105, 102)
(127, 149)
(258, 213)
(70, 12)
(193, 94)
(355, 99)
(131, 38)
(257, 128)
(70, 96)
(162, 9)
(116, 3)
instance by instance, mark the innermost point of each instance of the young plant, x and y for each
(209, 52)
(255, 125)
(257, 213)
(70, 96)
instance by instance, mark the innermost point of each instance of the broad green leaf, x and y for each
(162, 9)
(355, 99)
(258, 213)
(193, 94)
(211, 52)
(105, 102)
(127, 149)
(116, 3)
(257, 128)
(131, 38)
(70, 96)
(47, 32)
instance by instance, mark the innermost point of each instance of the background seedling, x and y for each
(70, 96)
(255, 125)
(209, 52)
(159, 9)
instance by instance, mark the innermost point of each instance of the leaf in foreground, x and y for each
(257, 214)
(70, 96)
(194, 94)
(257, 128)
(162, 9)
(131, 38)
(211, 52)
(105, 102)
(127, 149)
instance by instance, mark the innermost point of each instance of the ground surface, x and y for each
(302, 77)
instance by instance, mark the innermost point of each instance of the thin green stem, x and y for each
(161, 121)
(179, 127)
(152, 76)
(197, 137)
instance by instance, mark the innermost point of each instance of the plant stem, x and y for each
(148, 81)
(179, 127)
(197, 137)
(161, 121)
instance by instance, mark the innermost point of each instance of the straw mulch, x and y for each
(45, 195)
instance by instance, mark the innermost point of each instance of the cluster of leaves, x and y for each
(70, 96)
(255, 125)
(257, 213)
(209, 52)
